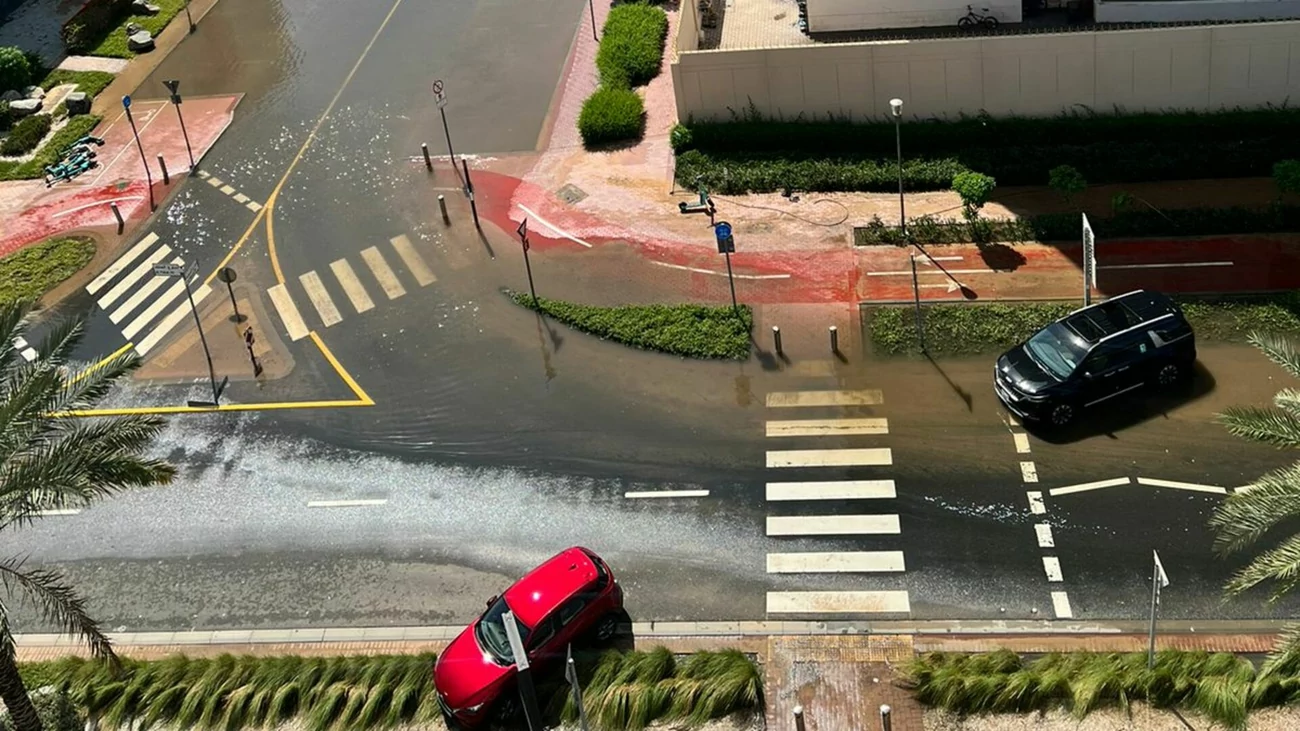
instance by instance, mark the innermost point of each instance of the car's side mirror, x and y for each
(491, 601)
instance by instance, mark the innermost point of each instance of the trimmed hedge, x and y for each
(611, 114)
(30, 272)
(973, 329)
(763, 155)
(26, 135)
(76, 128)
(1277, 218)
(632, 45)
(691, 331)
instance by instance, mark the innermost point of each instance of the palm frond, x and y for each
(60, 341)
(1284, 660)
(1280, 564)
(1246, 515)
(1270, 426)
(57, 603)
(1279, 349)
(14, 318)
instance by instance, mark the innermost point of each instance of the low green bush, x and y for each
(632, 45)
(55, 709)
(6, 116)
(26, 135)
(1222, 686)
(611, 114)
(761, 172)
(972, 329)
(90, 82)
(691, 331)
(76, 128)
(30, 272)
(15, 69)
(1066, 226)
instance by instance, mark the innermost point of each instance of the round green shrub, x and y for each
(15, 69)
(612, 114)
(26, 135)
(632, 45)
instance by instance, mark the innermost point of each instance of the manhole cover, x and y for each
(122, 185)
(570, 194)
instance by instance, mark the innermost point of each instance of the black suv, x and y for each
(1095, 354)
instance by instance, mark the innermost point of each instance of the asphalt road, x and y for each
(497, 440)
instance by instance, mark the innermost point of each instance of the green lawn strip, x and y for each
(34, 270)
(692, 331)
(973, 329)
(1222, 686)
(113, 44)
(90, 82)
(76, 128)
(624, 690)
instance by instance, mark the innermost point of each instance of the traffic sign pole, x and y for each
(726, 245)
(227, 275)
(148, 176)
(441, 99)
(523, 239)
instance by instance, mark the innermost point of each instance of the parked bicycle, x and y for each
(972, 19)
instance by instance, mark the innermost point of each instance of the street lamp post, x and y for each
(896, 108)
(592, 7)
(172, 86)
(189, 17)
(148, 177)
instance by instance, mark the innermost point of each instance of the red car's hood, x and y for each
(466, 675)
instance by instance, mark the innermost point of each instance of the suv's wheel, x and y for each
(1169, 375)
(505, 710)
(607, 627)
(1061, 414)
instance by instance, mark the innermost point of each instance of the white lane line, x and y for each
(140, 295)
(180, 313)
(57, 512)
(423, 275)
(136, 274)
(1044, 532)
(835, 562)
(827, 427)
(1061, 605)
(832, 525)
(352, 286)
(643, 494)
(831, 490)
(1086, 486)
(241, 198)
(20, 342)
(215, 182)
(1151, 482)
(553, 227)
(865, 397)
(384, 273)
(838, 602)
(1028, 472)
(1178, 265)
(29, 354)
(104, 203)
(345, 503)
(253, 206)
(1052, 566)
(155, 309)
(698, 270)
(320, 299)
(1036, 505)
(927, 257)
(228, 190)
(122, 263)
(874, 456)
(1022, 442)
(289, 315)
(949, 272)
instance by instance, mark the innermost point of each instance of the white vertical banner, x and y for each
(1089, 260)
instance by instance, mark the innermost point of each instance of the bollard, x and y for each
(886, 722)
(167, 179)
(776, 339)
(428, 162)
(442, 206)
(835, 339)
(798, 718)
(117, 214)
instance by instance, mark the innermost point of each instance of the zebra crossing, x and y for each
(357, 293)
(862, 493)
(24, 349)
(140, 302)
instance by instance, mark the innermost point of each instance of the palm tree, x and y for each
(1247, 515)
(50, 461)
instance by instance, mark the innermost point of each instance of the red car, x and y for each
(573, 593)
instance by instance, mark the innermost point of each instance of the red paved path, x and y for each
(39, 213)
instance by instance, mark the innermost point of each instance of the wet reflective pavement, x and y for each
(497, 439)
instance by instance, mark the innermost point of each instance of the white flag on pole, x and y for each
(1160, 571)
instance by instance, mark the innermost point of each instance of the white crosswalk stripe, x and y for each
(122, 262)
(169, 322)
(352, 286)
(141, 295)
(320, 299)
(423, 276)
(126, 283)
(289, 315)
(387, 279)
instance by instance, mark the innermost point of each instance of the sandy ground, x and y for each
(1138, 718)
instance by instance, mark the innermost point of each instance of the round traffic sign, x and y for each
(722, 230)
(437, 87)
(226, 274)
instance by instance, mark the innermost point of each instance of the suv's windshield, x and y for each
(491, 632)
(1055, 351)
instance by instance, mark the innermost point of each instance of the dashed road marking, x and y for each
(838, 602)
(352, 286)
(835, 562)
(1151, 482)
(831, 490)
(293, 322)
(241, 198)
(1044, 532)
(827, 427)
(832, 525)
(1086, 486)
(58, 512)
(320, 298)
(229, 190)
(643, 494)
(1036, 505)
(874, 456)
(387, 279)
(345, 503)
(1022, 442)
(1028, 472)
(1052, 566)
(866, 397)
(1061, 605)
(214, 181)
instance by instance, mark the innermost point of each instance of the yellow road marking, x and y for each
(116, 354)
(347, 377)
(423, 276)
(329, 314)
(163, 410)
